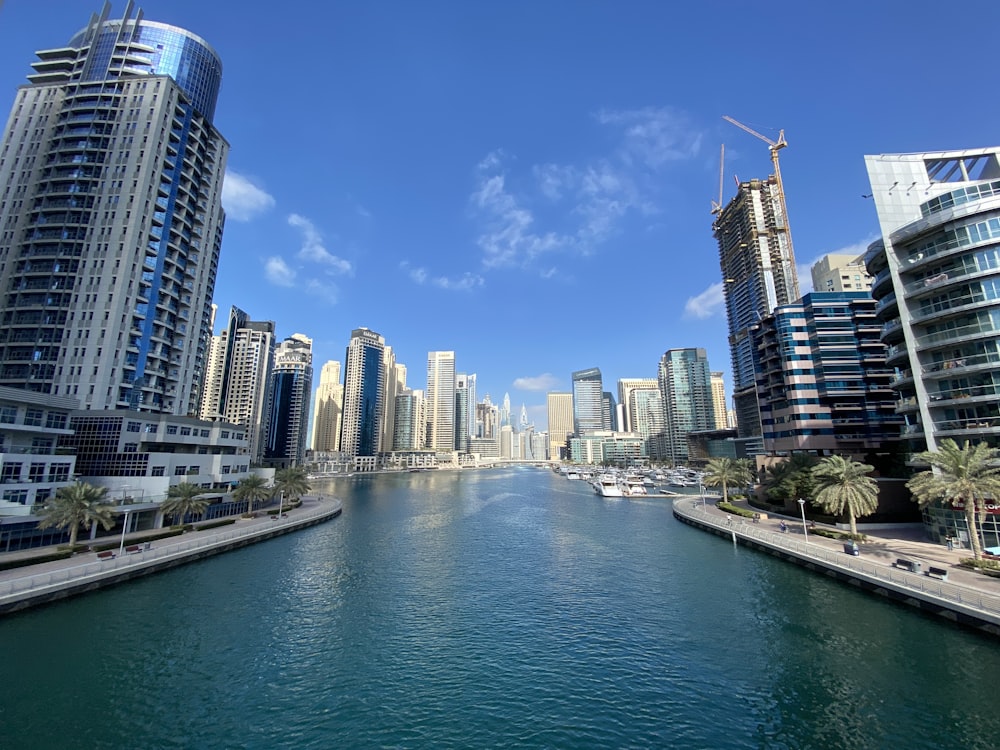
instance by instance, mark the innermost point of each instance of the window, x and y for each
(180, 471)
(16, 496)
(205, 433)
(33, 417)
(158, 471)
(55, 421)
(185, 430)
(130, 448)
(36, 473)
(171, 429)
(59, 473)
(132, 427)
(8, 414)
(11, 472)
(224, 434)
(226, 469)
(151, 428)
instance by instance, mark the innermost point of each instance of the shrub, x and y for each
(734, 509)
(47, 557)
(214, 524)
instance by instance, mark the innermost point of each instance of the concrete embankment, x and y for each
(968, 598)
(32, 585)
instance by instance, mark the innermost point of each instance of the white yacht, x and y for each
(607, 486)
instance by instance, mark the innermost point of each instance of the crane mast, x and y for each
(774, 147)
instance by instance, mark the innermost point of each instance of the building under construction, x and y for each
(758, 268)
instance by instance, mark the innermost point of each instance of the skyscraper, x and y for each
(462, 412)
(111, 175)
(364, 391)
(407, 428)
(559, 406)
(241, 359)
(626, 388)
(588, 401)
(395, 383)
(291, 388)
(840, 272)
(937, 287)
(328, 409)
(440, 401)
(719, 401)
(758, 271)
(686, 387)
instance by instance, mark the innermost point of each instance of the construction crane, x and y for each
(717, 207)
(774, 147)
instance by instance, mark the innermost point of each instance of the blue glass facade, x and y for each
(156, 49)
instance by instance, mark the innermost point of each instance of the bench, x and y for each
(909, 565)
(106, 555)
(133, 548)
(939, 573)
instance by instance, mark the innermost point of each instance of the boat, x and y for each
(606, 485)
(634, 487)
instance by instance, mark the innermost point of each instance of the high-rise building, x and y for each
(487, 419)
(840, 272)
(328, 409)
(686, 387)
(408, 427)
(588, 401)
(505, 410)
(440, 401)
(626, 388)
(824, 385)
(291, 388)
(937, 290)
(523, 423)
(364, 391)
(395, 383)
(470, 384)
(719, 401)
(462, 413)
(650, 421)
(758, 271)
(609, 411)
(559, 406)
(241, 359)
(110, 202)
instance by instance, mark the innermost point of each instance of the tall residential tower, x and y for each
(111, 218)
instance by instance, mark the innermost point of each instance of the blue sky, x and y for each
(529, 184)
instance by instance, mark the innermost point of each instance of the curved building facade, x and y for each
(111, 178)
(937, 289)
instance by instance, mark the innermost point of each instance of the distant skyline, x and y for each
(529, 184)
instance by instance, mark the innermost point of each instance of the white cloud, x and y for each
(555, 180)
(242, 199)
(463, 283)
(544, 382)
(313, 249)
(325, 291)
(706, 304)
(278, 272)
(653, 136)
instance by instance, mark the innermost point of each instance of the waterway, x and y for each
(494, 608)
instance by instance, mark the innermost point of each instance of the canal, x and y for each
(493, 608)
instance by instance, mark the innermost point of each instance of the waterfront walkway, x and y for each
(966, 595)
(41, 582)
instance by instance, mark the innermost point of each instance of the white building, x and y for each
(440, 401)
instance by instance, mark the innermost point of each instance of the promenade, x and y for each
(966, 596)
(39, 583)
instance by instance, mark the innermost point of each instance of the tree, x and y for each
(725, 472)
(843, 485)
(965, 475)
(253, 489)
(293, 482)
(79, 504)
(182, 499)
(790, 479)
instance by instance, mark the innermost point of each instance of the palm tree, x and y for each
(725, 472)
(292, 482)
(253, 489)
(182, 499)
(791, 479)
(843, 484)
(79, 504)
(967, 475)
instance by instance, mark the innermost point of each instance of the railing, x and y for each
(916, 582)
(166, 550)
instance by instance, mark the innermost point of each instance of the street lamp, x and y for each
(802, 507)
(121, 547)
(701, 491)
(281, 503)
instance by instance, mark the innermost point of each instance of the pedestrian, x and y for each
(783, 526)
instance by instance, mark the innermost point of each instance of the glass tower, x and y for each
(364, 391)
(588, 401)
(111, 173)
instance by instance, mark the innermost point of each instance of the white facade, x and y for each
(840, 272)
(328, 408)
(440, 401)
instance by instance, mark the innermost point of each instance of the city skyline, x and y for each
(433, 169)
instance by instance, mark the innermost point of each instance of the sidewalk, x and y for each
(883, 546)
(47, 581)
